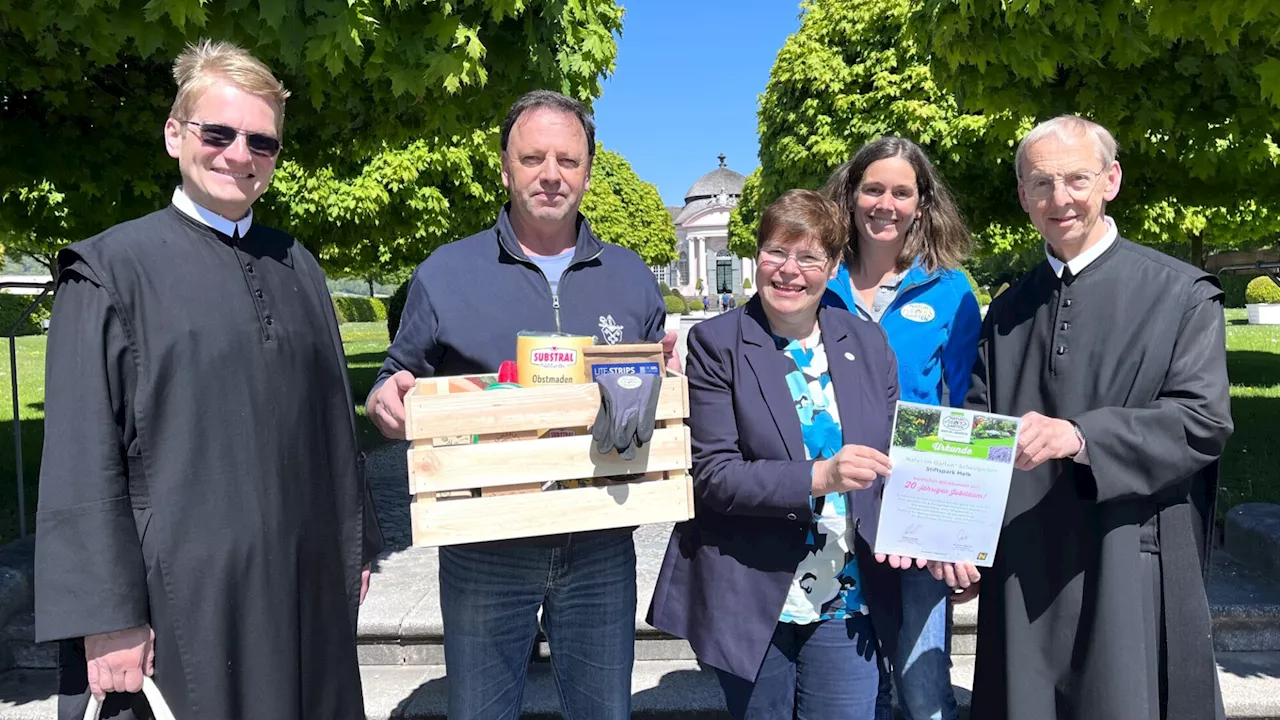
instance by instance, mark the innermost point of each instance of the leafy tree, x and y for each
(392, 101)
(853, 73)
(1191, 91)
(625, 210)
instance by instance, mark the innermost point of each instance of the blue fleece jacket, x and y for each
(469, 299)
(933, 327)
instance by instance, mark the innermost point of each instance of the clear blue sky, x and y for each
(686, 85)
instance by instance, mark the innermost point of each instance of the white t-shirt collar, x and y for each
(230, 228)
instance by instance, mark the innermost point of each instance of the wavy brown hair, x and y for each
(938, 235)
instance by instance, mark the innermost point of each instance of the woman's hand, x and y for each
(855, 467)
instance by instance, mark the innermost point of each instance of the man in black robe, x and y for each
(1114, 355)
(202, 515)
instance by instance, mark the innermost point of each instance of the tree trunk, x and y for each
(370, 281)
(1197, 250)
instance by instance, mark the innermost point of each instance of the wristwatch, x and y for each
(1080, 437)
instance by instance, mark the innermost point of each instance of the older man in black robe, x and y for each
(1114, 355)
(202, 514)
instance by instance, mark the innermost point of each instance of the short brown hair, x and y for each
(938, 236)
(201, 65)
(805, 215)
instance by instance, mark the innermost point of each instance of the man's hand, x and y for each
(957, 575)
(669, 352)
(365, 572)
(386, 407)
(963, 596)
(1043, 439)
(118, 660)
(855, 467)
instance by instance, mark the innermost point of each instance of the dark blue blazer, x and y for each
(726, 572)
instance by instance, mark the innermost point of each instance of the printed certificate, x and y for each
(951, 470)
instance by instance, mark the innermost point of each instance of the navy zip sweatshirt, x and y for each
(470, 298)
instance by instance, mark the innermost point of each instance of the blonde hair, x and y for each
(201, 65)
(1069, 128)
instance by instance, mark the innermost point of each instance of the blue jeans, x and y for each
(922, 668)
(489, 599)
(823, 671)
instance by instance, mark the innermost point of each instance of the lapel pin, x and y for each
(848, 356)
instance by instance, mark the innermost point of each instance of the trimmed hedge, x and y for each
(359, 309)
(675, 305)
(1262, 289)
(12, 307)
(395, 307)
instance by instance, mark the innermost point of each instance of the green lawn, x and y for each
(1251, 467)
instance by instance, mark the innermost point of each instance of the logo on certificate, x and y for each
(982, 556)
(956, 427)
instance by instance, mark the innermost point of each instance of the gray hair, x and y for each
(550, 100)
(1068, 128)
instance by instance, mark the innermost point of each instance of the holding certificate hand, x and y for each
(855, 467)
(1045, 438)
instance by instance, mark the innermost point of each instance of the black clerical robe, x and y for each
(1096, 605)
(200, 472)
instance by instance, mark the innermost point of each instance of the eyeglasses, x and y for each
(1078, 184)
(218, 135)
(777, 257)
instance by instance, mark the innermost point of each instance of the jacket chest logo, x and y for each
(918, 312)
(610, 330)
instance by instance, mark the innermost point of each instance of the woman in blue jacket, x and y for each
(901, 269)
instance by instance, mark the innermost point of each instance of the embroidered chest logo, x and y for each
(919, 312)
(611, 331)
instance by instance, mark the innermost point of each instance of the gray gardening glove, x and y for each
(628, 407)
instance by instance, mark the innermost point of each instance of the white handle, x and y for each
(159, 708)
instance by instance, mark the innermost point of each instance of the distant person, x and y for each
(790, 407)
(1114, 356)
(203, 517)
(902, 270)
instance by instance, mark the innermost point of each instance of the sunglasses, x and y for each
(217, 135)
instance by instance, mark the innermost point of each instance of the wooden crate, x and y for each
(446, 468)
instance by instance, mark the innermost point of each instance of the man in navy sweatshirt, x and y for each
(539, 268)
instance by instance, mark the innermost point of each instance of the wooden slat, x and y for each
(534, 408)
(549, 513)
(433, 469)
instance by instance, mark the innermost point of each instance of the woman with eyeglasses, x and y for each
(901, 270)
(790, 406)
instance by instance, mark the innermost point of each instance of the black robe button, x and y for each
(258, 293)
(791, 516)
(1066, 303)
(1062, 349)
(1065, 325)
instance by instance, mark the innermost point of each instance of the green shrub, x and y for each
(984, 298)
(698, 286)
(359, 309)
(675, 306)
(1234, 286)
(746, 284)
(1262, 289)
(12, 307)
(973, 284)
(665, 288)
(395, 307)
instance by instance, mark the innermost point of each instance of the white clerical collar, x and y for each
(211, 218)
(1081, 261)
